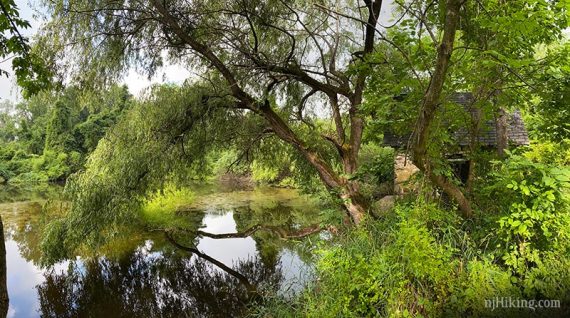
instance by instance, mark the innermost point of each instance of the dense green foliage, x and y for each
(159, 209)
(47, 137)
(421, 261)
(550, 115)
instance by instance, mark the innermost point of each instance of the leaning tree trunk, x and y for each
(4, 303)
(348, 190)
(430, 104)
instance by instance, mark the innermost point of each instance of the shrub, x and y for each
(535, 198)
(160, 208)
(391, 268)
(480, 280)
(549, 152)
(30, 177)
(376, 163)
(5, 173)
(51, 166)
(264, 173)
(376, 171)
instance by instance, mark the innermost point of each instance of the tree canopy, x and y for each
(291, 63)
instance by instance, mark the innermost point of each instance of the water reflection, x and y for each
(141, 274)
(147, 285)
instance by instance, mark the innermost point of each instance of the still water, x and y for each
(143, 274)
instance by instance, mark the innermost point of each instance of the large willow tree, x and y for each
(289, 63)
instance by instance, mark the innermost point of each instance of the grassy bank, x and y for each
(422, 261)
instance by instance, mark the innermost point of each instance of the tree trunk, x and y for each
(475, 114)
(430, 104)
(349, 192)
(4, 301)
(354, 202)
(502, 135)
(454, 192)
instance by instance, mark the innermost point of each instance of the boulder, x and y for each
(382, 206)
(404, 169)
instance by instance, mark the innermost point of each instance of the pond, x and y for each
(145, 273)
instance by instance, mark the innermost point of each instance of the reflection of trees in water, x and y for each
(27, 234)
(280, 223)
(22, 222)
(150, 285)
(129, 281)
(169, 283)
(28, 192)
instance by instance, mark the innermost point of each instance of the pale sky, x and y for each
(136, 82)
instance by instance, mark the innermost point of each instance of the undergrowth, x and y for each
(162, 208)
(423, 260)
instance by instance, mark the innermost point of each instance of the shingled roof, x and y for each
(516, 131)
